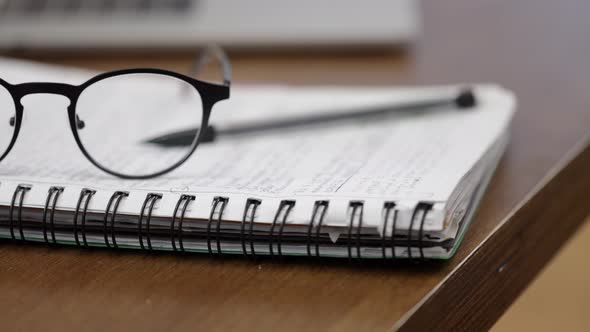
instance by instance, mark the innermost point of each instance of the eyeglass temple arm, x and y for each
(206, 55)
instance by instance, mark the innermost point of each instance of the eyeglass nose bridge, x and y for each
(67, 90)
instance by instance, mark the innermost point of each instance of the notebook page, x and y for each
(403, 159)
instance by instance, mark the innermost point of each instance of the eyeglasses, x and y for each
(111, 114)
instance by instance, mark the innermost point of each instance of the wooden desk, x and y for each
(537, 199)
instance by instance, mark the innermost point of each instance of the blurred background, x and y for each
(377, 41)
(181, 24)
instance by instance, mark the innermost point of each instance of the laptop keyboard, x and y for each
(16, 8)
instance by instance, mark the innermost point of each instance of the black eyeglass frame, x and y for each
(210, 94)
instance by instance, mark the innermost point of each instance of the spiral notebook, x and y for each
(405, 187)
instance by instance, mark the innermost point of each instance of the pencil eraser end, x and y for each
(466, 99)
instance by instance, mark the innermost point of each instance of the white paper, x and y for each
(403, 159)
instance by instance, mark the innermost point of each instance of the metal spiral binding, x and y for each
(355, 207)
(116, 200)
(285, 206)
(19, 192)
(150, 199)
(86, 196)
(184, 200)
(323, 205)
(424, 207)
(52, 196)
(251, 207)
(220, 202)
(388, 207)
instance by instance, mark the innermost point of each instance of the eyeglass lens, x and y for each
(118, 114)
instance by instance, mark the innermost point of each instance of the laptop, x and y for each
(92, 24)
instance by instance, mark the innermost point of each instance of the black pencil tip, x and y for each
(465, 99)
